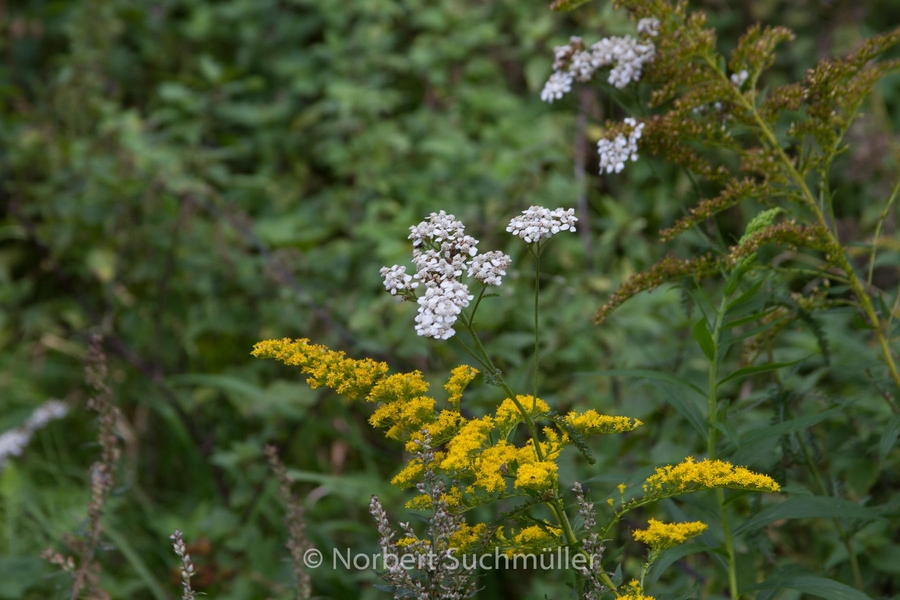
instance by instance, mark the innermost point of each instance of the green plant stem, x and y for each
(711, 448)
(537, 297)
(840, 254)
(563, 519)
(881, 219)
(555, 505)
(475, 307)
(472, 353)
(485, 360)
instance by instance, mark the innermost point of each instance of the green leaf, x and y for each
(672, 555)
(686, 407)
(749, 318)
(751, 440)
(701, 300)
(748, 371)
(743, 298)
(703, 337)
(802, 580)
(649, 374)
(20, 573)
(137, 563)
(807, 507)
(888, 437)
(729, 432)
(226, 383)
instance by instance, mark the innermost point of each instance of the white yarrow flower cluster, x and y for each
(559, 84)
(13, 442)
(625, 55)
(442, 254)
(616, 152)
(539, 223)
(490, 267)
(396, 280)
(439, 308)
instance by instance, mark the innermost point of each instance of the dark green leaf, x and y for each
(888, 437)
(703, 337)
(807, 583)
(807, 507)
(685, 406)
(748, 371)
(649, 374)
(751, 440)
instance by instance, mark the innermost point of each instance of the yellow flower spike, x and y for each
(535, 537)
(661, 536)
(539, 475)
(591, 422)
(459, 379)
(634, 591)
(465, 539)
(621, 487)
(492, 465)
(453, 498)
(446, 425)
(351, 378)
(398, 387)
(409, 475)
(508, 415)
(420, 502)
(690, 476)
(611, 502)
(461, 449)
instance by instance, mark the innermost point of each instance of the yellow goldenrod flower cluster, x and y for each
(536, 537)
(410, 474)
(634, 591)
(478, 452)
(592, 422)
(661, 536)
(460, 377)
(492, 466)
(444, 427)
(398, 387)
(324, 367)
(463, 448)
(538, 475)
(467, 537)
(691, 476)
(508, 415)
(402, 418)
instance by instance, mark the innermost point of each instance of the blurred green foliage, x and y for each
(188, 177)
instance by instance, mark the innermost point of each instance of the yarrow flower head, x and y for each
(625, 55)
(539, 223)
(440, 307)
(559, 84)
(442, 255)
(616, 152)
(488, 268)
(396, 280)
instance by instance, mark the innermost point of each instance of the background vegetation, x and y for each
(189, 177)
